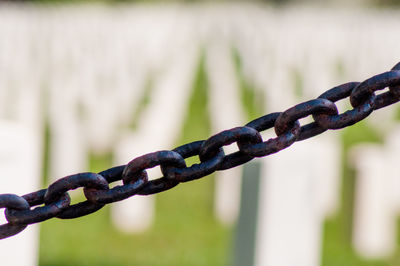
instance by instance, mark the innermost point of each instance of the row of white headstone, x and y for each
(377, 201)
(85, 70)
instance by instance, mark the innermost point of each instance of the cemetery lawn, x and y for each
(184, 233)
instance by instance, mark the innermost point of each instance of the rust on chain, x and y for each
(350, 117)
(55, 200)
(195, 171)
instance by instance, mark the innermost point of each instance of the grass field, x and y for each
(185, 231)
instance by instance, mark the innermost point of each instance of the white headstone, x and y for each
(392, 155)
(290, 219)
(20, 167)
(225, 112)
(135, 214)
(374, 231)
(68, 145)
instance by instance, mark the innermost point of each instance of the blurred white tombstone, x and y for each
(68, 146)
(377, 197)
(130, 84)
(158, 128)
(291, 209)
(225, 112)
(392, 154)
(374, 231)
(326, 166)
(20, 162)
(101, 111)
(135, 214)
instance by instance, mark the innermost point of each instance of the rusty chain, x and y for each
(55, 200)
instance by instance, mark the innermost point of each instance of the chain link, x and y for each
(21, 211)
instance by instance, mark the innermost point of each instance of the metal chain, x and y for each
(55, 201)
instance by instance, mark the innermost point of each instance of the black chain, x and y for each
(55, 200)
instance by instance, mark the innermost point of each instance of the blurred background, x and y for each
(87, 85)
